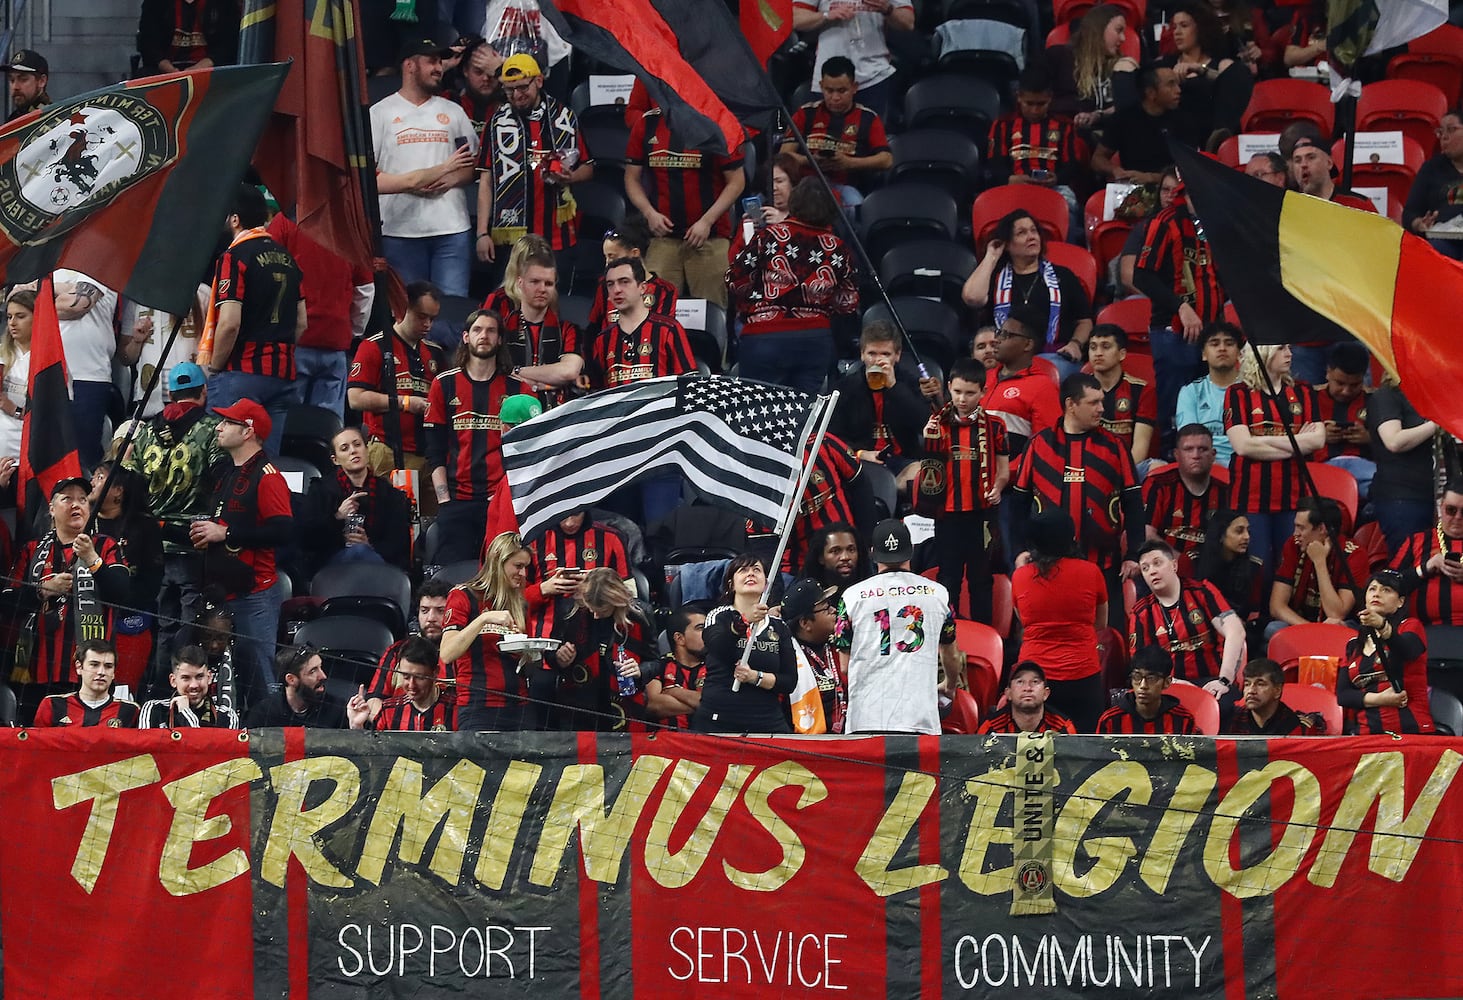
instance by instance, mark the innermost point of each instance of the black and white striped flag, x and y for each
(736, 442)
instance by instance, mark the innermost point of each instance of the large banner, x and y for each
(346, 865)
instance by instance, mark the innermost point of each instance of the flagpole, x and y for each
(822, 417)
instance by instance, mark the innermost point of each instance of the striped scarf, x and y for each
(1002, 304)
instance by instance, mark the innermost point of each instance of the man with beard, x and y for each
(835, 556)
(302, 699)
(464, 434)
(192, 706)
(1181, 500)
(92, 704)
(480, 94)
(425, 150)
(431, 615)
(354, 516)
(390, 379)
(66, 576)
(675, 694)
(27, 73)
(532, 153)
(1026, 711)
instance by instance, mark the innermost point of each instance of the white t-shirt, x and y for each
(409, 137)
(185, 348)
(860, 38)
(17, 374)
(89, 342)
(891, 625)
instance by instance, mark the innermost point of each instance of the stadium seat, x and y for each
(365, 590)
(1369, 537)
(606, 142)
(984, 658)
(963, 104)
(903, 213)
(1112, 653)
(1068, 12)
(1228, 152)
(1275, 104)
(1446, 710)
(1339, 485)
(1201, 705)
(1134, 315)
(1079, 262)
(881, 483)
(933, 326)
(1107, 242)
(993, 204)
(452, 317)
(594, 114)
(998, 66)
(1139, 365)
(1311, 639)
(953, 261)
(308, 471)
(1397, 178)
(1309, 698)
(938, 157)
(1092, 210)
(1435, 58)
(455, 573)
(381, 87)
(9, 709)
(307, 434)
(575, 309)
(1132, 46)
(1003, 609)
(964, 715)
(601, 208)
(1414, 107)
(351, 647)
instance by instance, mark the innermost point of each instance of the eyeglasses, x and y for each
(1140, 678)
(515, 88)
(1005, 334)
(1447, 130)
(1452, 510)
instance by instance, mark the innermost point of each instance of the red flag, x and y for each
(315, 154)
(47, 439)
(766, 23)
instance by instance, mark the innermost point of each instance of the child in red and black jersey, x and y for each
(1025, 710)
(972, 445)
(92, 704)
(674, 695)
(847, 138)
(1146, 709)
(601, 681)
(1384, 678)
(1129, 409)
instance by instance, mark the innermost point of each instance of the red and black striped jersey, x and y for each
(1175, 250)
(515, 150)
(1438, 600)
(1286, 721)
(1351, 413)
(970, 449)
(1179, 516)
(1123, 719)
(1128, 403)
(858, 131)
(399, 715)
(1369, 668)
(464, 434)
(682, 183)
(657, 347)
(386, 363)
(70, 710)
(262, 277)
(479, 112)
(589, 687)
(384, 681)
(1087, 475)
(53, 636)
(485, 677)
(825, 501)
(1003, 723)
(660, 298)
(597, 545)
(1184, 628)
(1299, 572)
(1258, 485)
(673, 674)
(1027, 402)
(531, 343)
(1049, 144)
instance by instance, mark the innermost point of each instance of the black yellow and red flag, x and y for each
(1299, 268)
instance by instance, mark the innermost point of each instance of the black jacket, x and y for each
(388, 521)
(905, 414)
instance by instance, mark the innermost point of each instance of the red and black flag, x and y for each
(322, 170)
(691, 56)
(47, 439)
(766, 25)
(131, 183)
(1295, 265)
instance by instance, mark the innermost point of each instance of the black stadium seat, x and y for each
(903, 213)
(361, 589)
(307, 433)
(933, 327)
(948, 160)
(350, 647)
(953, 261)
(964, 104)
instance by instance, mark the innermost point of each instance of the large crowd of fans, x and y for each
(1123, 504)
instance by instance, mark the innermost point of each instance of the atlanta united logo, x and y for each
(1032, 877)
(77, 158)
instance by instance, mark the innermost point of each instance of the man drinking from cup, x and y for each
(880, 416)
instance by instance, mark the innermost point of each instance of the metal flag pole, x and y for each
(820, 417)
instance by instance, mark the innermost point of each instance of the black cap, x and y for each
(27, 61)
(425, 46)
(66, 484)
(891, 542)
(1027, 667)
(803, 597)
(1393, 580)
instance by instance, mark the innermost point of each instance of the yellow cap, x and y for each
(520, 67)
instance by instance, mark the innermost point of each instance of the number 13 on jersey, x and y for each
(911, 622)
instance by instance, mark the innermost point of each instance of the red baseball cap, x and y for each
(246, 411)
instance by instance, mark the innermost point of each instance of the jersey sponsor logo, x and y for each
(442, 118)
(77, 158)
(1074, 475)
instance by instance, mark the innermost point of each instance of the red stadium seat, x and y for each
(1339, 485)
(1002, 609)
(1435, 58)
(1228, 152)
(1369, 537)
(1107, 242)
(1070, 11)
(1275, 104)
(1310, 639)
(1112, 653)
(1132, 47)
(984, 658)
(1140, 366)
(1306, 698)
(993, 204)
(964, 715)
(1415, 107)
(1092, 210)
(1395, 177)
(1134, 315)
(1078, 261)
(1201, 705)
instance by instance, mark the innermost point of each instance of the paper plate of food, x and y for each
(517, 642)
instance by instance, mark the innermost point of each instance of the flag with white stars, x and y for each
(735, 441)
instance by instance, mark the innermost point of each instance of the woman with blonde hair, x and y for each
(491, 691)
(1090, 74)
(1265, 474)
(20, 310)
(606, 639)
(506, 300)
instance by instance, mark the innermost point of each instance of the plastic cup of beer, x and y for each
(876, 376)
